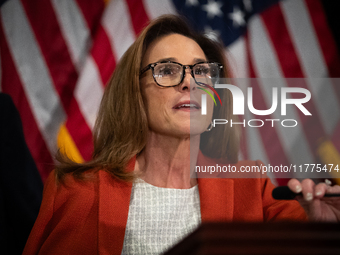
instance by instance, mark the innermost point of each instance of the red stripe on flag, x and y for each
(277, 29)
(79, 131)
(11, 84)
(92, 11)
(274, 150)
(138, 15)
(290, 65)
(102, 54)
(326, 40)
(53, 47)
(52, 44)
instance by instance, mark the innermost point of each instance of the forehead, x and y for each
(179, 47)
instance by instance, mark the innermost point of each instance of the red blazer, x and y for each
(89, 217)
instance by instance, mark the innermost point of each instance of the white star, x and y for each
(213, 9)
(248, 5)
(212, 34)
(238, 17)
(191, 2)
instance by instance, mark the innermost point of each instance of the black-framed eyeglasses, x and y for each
(171, 74)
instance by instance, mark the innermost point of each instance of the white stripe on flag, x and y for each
(253, 138)
(74, 30)
(252, 135)
(237, 57)
(255, 143)
(326, 102)
(33, 72)
(267, 65)
(304, 38)
(89, 91)
(118, 27)
(313, 63)
(154, 9)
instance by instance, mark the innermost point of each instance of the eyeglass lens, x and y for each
(171, 74)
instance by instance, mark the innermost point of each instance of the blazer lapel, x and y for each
(216, 194)
(114, 201)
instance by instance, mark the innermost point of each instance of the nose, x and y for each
(188, 82)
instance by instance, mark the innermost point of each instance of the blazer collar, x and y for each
(114, 201)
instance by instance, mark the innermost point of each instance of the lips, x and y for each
(187, 105)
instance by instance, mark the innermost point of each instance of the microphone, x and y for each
(284, 193)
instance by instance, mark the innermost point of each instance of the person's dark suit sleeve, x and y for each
(20, 183)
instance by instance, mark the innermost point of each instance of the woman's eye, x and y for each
(201, 71)
(167, 71)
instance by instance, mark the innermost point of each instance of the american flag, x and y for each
(57, 56)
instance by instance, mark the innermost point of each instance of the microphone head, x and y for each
(283, 193)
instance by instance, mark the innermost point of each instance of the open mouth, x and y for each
(187, 106)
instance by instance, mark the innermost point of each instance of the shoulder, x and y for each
(244, 175)
(251, 191)
(6, 104)
(70, 203)
(8, 112)
(68, 217)
(72, 191)
(5, 99)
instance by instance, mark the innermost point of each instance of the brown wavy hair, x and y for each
(121, 127)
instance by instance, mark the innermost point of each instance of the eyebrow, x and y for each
(196, 60)
(166, 59)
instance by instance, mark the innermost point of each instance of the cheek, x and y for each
(155, 100)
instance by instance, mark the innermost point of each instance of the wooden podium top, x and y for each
(261, 238)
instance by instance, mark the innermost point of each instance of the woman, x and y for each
(136, 196)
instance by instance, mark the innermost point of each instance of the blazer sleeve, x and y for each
(276, 210)
(68, 219)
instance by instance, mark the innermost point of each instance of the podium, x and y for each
(261, 238)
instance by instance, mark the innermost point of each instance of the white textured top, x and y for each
(159, 218)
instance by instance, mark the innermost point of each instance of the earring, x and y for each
(209, 127)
